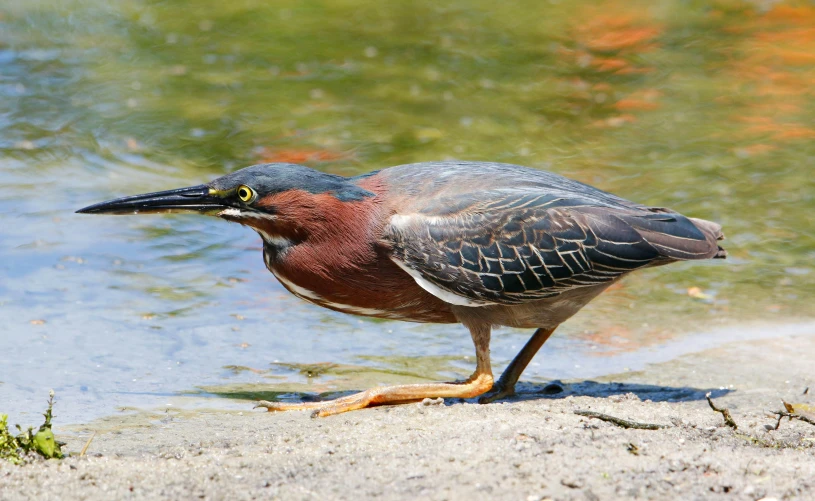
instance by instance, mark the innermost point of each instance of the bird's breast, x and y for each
(371, 290)
(316, 298)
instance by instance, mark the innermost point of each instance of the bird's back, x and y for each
(488, 233)
(425, 182)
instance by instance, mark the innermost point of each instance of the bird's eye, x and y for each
(246, 194)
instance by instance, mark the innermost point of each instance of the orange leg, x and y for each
(480, 382)
(505, 387)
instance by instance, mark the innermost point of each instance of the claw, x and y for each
(280, 406)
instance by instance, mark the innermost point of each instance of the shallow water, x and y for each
(705, 107)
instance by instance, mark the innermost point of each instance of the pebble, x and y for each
(431, 401)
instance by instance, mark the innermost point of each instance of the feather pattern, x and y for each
(511, 246)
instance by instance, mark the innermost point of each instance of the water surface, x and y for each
(704, 107)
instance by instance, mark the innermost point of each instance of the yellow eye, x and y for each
(246, 194)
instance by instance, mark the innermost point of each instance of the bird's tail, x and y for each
(713, 232)
(677, 237)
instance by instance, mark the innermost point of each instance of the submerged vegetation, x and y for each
(16, 448)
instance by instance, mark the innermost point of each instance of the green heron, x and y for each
(476, 243)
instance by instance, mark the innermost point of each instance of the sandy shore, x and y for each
(533, 447)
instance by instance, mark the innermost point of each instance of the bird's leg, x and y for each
(505, 387)
(480, 382)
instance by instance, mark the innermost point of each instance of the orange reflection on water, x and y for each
(776, 65)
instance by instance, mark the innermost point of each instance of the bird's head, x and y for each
(271, 198)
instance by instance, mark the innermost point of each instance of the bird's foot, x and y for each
(499, 391)
(476, 385)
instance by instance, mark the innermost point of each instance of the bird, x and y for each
(481, 244)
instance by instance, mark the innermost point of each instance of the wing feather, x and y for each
(510, 248)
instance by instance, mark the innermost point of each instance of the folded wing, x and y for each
(506, 247)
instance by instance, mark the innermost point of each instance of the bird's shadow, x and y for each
(524, 391)
(655, 393)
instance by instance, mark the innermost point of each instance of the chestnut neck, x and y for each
(319, 234)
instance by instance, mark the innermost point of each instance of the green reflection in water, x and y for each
(326, 380)
(700, 106)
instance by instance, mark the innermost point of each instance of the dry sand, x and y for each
(533, 447)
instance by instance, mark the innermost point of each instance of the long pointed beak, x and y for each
(196, 199)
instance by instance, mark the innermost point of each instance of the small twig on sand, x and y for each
(778, 423)
(621, 422)
(791, 414)
(87, 444)
(728, 419)
(795, 416)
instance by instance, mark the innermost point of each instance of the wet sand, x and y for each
(531, 447)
